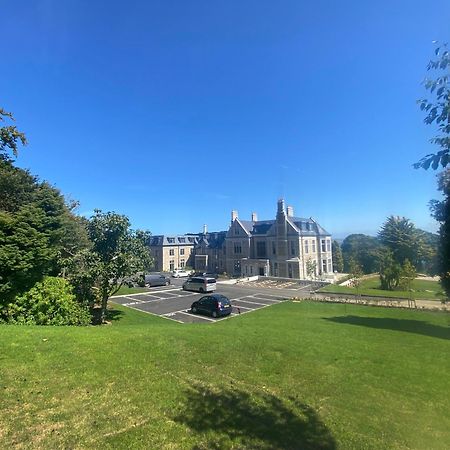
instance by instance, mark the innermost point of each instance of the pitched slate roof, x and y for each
(307, 227)
(173, 240)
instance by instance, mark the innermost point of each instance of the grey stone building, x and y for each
(287, 247)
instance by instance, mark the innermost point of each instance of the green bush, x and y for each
(49, 302)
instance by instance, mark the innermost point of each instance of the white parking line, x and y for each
(195, 315)
(267, 299)
(253, 303)
(245, 307)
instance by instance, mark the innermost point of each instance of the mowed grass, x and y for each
(125, 290)
(421, 289)
(293, 376)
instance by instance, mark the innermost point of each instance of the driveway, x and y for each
(171, 302)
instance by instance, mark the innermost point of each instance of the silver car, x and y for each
(200, 284)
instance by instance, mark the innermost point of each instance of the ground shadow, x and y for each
(239, 419)
(405, 325)
(112, 315)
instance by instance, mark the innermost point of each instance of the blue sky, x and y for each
(176, 112)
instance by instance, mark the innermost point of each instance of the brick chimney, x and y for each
(205, 228)
(234, 215)
(254, 217)
(290, 211)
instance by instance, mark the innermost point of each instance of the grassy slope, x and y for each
(424, 289)
(296, 375)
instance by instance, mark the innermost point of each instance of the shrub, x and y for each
(49, 302)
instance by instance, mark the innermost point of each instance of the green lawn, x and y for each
(124, 290)
(293, 376)
(423, 289)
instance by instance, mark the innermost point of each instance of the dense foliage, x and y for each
(438, 113)
(441, 212)
(338, 260)
(116, 252)
(49, 302)
(37, 231)
(10, 136)
(438, 109)
(363, 250)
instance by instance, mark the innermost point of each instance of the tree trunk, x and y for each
(104, 305)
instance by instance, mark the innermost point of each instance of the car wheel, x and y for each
(194, 310)
(202, 290)
(214, 314)
(167, 283)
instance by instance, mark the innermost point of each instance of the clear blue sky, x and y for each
(176, 112)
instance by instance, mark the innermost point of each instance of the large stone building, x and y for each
(288, 247)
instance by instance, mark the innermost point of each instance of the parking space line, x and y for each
(156, 315)
(254, 303)
(267, 299)
(196, 315)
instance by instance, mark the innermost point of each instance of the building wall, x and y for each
(172, 256)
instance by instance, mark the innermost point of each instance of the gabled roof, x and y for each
(303, 226)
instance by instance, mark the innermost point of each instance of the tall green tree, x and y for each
(37, 230)
(441, 212)
(389, 269)
(363, 249)
(338, 260)
(116, 252)
(437, 111)
(403, 239)
(10, 136)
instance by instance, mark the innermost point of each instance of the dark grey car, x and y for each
(156, 280)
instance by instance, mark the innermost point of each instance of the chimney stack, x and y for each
(234, 215)
(281, 209)
(290, 211)
(254, 217)
(205, 228)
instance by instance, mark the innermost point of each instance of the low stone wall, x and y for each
(315, 284)
(391, 302)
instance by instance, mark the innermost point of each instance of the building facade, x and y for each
(287, 247)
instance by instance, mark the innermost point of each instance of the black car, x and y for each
(215, 304)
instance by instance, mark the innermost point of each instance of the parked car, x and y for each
(178, 273)
(215, 304)
(156, 280)
(203, 274)
(200, 284)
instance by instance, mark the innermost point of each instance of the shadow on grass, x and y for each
(112, 315)
(235, 419)
(406, 325)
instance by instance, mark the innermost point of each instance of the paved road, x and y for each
(173, 303)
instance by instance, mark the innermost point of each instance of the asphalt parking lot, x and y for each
(171, 302)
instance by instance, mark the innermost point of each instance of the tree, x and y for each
(441, 212)
(37, 230)
(363, 249)
(117, 252)
(338, 260)
(10, 136)
(402, 238)
(438, 110)
(311, 268)
(389, 270)
(438, 113)
(407, 276)
(356, 273)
